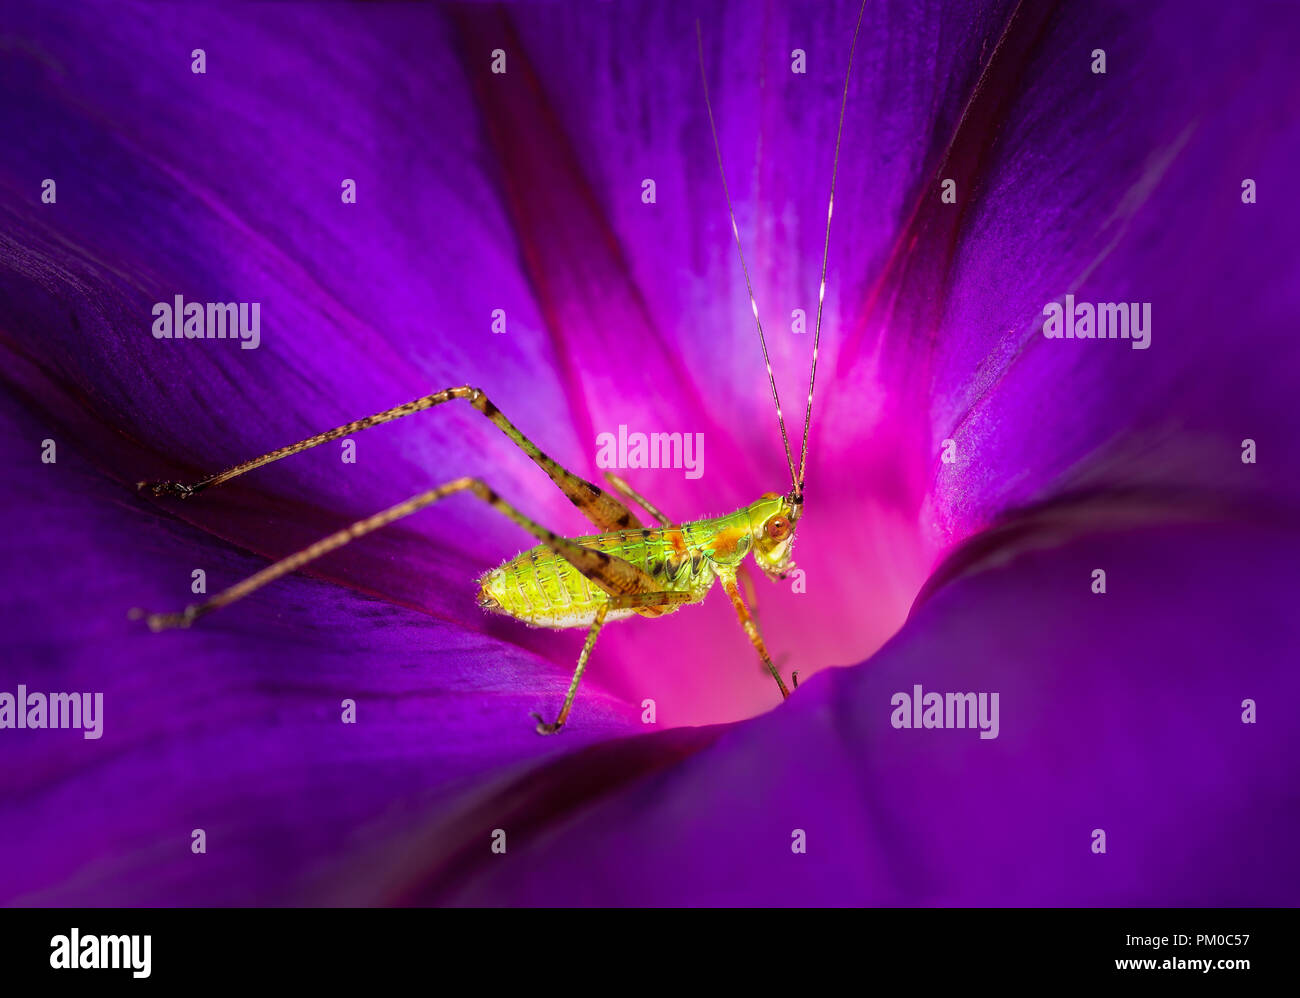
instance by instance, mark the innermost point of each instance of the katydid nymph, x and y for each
(626, 567)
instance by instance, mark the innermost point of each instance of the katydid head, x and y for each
(772, 522)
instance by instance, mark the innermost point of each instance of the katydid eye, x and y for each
(778, 528)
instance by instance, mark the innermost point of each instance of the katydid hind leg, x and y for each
(612, 574)
(602, 509)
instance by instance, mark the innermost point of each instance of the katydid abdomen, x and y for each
(541, 588)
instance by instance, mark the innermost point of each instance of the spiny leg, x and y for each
(629, 602)
(602, 509)
(612, 574)
(751, 628)
(545, 728)
(745, 576)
